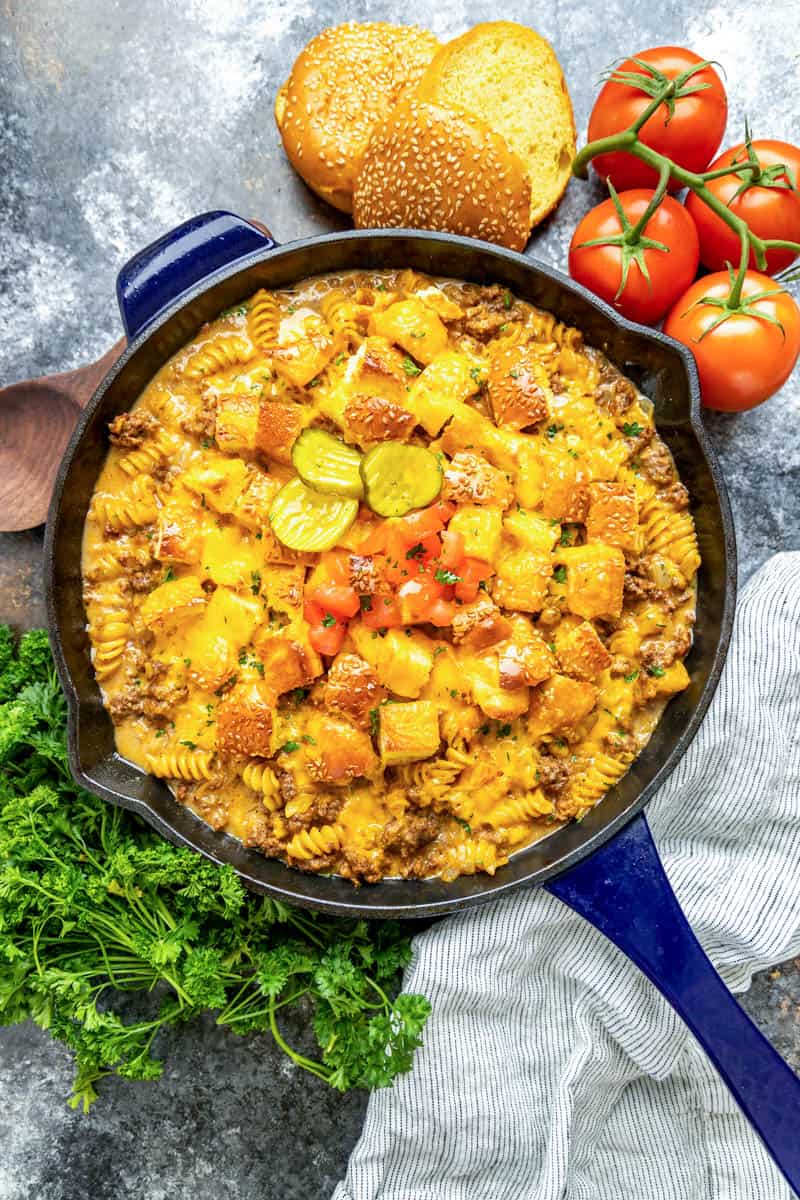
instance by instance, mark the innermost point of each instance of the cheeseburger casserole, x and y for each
(387, 575)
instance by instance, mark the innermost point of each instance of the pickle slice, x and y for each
(303, 519)
(398, 478)
(326, 464)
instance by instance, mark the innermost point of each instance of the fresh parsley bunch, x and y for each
(93, 904)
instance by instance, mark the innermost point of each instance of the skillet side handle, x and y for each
(155, 277)
(623, 891)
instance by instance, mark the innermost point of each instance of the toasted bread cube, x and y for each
(352, 689)
(408, 732)
(559, 704)
(433, 297)
(581, 653)
(674, 679)
(519, 388)
(522, 580)
(218, 480)
(481, 674)
(377, 370)
(526, 659)
(178, 539)
(244, 722)
(480, 528)
(279, 425)
(340, 752)
(236, 423)
(370, 419)
(253, 505)
(172, 603)
(531, 531)
(403, 663)
(282, 586)
(613, 515)
(444, 384)
(480, 624)
(412, 325)
(470, 479)
(210, 658)
(565, 494)
(302, 359)
(233, 616)
(595, 580)
(289, 662)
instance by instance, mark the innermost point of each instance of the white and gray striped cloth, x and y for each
(551, 1069)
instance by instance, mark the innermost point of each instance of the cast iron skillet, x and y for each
(606, 867)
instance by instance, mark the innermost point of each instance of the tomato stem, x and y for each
(628, 141)
(734, 300)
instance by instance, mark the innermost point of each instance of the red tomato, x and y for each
(384, 611)
(452, 548)
(746, 358)
(375, 542)
(690, 136)
(341, 600)
(771, 212)
(335, 567)
(444, 510)
(600, 268)
(417, 597)
(417, 524)
(473, 572)
(441, 613)
(325, 633)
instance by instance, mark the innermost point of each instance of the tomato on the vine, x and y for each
(771, 208)
(690, 135)
(639, 278)
(743, 355)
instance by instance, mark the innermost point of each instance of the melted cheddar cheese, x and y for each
(441, 744)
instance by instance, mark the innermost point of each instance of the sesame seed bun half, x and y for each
(345, 80)
(508, 76)
(428, 167)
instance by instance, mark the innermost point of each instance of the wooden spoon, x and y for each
(36, 420)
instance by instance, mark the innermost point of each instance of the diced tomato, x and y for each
(444, 510)
(313, 613)
(328, 639)
(340, 600)
(383, 613)
(417, 597)
(418, 524)
(334, 567)
(441, 613)
(452, 549)
(375, 542)
(473, 572)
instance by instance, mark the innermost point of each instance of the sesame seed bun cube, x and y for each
(509, 77)
(428, 167)
(344, 81)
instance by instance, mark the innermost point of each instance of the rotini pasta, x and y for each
(431, 691)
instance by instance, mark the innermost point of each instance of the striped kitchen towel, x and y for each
(551, 1068)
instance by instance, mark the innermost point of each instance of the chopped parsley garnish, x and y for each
(299, 695)
(656, 672)
(311, 741)
(632, 429)
(442, 575)
(464, 824)
(255, 582)
(339, 358)
(630, 678)
(503, 731)
(289, 747)
(328, 620)
(416, 551)
(365, 603)
(373, 721)
(552, 430)
(169, 575)
(191, 745)
(560, 574)
(507, 301)
(410, 367)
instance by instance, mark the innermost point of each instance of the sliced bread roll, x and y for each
(429, 167)
(345, 80)
(509, 77)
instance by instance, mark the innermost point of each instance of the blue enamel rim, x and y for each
(375, 900)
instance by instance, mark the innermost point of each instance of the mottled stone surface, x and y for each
(118, 120)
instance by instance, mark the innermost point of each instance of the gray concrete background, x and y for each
(118, 120)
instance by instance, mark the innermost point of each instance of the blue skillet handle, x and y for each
(623, 890)
(155, 277)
